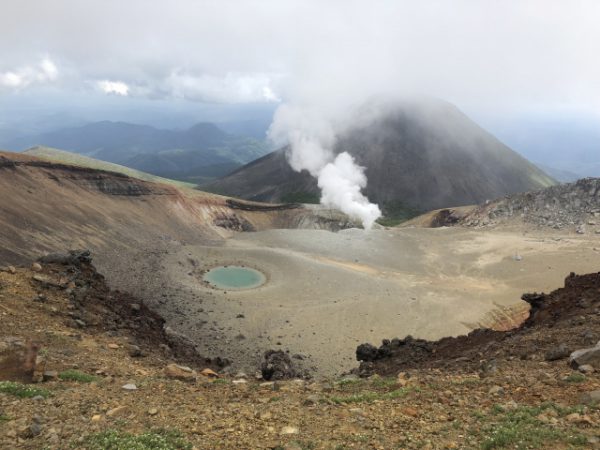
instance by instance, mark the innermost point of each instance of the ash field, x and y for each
(326, 292)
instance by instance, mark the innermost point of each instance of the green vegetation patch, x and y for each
(151, 440)
(300, 197)
(22, 390)
(386, 382)
(76, 375)
(394, 213)
(521, 428)
(370, 396)
(303, 445)
(350, 382)
(64, 157)
(575, 378)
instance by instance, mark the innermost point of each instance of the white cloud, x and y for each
(11, 79)
(113, 87)
(269, 95)
(230, 88)
(49, 70)
(510, 55)
(45, 71)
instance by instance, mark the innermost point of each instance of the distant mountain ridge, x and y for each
(417, 156)
(198, 153)
(61, 156)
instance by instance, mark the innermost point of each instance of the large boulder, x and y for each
(277, 365)
(586, 356)
(73, 257)
(366, 352)
(590, 398)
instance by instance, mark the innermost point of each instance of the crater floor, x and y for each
(327, 292)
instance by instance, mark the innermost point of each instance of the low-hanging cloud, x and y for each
(485, 55)
(227, 88)
(113, 87)
(21, 77)
(503, 58)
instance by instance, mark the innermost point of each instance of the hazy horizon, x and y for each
(525, 71)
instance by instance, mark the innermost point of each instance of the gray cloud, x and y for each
(24, 76)
(488, 54)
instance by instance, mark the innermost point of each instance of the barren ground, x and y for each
(327, 292)
(525, 403)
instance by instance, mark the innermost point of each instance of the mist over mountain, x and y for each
(197, 153)
(568, 144)
(560, 175)
(417, 156)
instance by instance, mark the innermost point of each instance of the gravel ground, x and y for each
(523, 404)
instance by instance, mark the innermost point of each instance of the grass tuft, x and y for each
(150, 440)
(349, 382)
(371, 396)
(76, 375)
(521, 429)
(575, 378)
(22, 390)
(388, 382)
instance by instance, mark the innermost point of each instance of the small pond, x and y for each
(234, 277)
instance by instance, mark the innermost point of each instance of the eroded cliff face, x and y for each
(111, 183)
(46, 206)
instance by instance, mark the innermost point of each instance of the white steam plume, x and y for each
(312, 136)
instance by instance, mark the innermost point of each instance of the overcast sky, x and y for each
(495, 56)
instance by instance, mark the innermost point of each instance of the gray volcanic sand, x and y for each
(327, 292)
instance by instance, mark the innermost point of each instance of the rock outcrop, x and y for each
(575, 205)
(557, 322)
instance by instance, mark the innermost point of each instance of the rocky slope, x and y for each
(557, 325)
(571, 206)
(418, 156)
(113, 378)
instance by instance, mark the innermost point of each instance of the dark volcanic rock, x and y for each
(366, 352)
(556, 317)
(277, 365)
(233, 222)
(572, 205)
(99, 308)
(73, 257)
(560, 352)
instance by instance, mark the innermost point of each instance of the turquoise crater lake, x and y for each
(234, 277)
